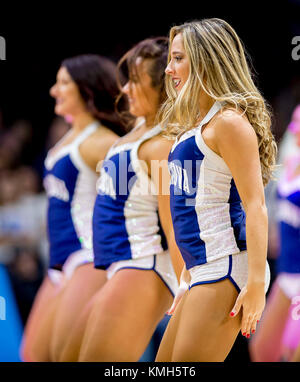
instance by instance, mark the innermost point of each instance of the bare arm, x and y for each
(236, 142)
(157, 161)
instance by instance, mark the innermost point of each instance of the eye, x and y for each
(177, 58)
(62, 81)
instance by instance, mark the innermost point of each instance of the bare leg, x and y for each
(165, 350)
(46, 294)
(42, 340)
(201, 329)
(265, 345)
(296, 356)
(84, 283)
(124, 316)
(291, 335)
(71, 348)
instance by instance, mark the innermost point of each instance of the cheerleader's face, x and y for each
(179, 66)
(143, 98)
(67, 96)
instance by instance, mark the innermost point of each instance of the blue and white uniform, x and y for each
(207, 214)
(126, 226)
(288, 216)
(71, 189)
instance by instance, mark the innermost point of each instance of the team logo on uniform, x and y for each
(105, 184)
(184, 175)
(56, 188)
(289, 213)
(179, 177)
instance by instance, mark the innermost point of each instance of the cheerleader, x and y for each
(132, 232)
(219, 163)
(84, 92)
(279, 330)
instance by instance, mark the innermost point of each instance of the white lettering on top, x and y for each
(177, 174)
(105, 184)
(56, 188)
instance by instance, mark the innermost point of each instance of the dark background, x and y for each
(39, 37)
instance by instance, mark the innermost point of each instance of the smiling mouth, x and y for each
(59, 101)
(176, 83)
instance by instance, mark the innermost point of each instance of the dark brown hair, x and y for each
(153, 49)
(96, 78)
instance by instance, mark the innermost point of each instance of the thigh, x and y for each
(124, 316)
(84, 283)
(42, 339)
(291, 335)
(206, 332)
(71, 348)
(44, 296)
(46, 292)
(296, 355)
(165, 349)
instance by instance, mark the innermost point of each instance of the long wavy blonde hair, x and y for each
(219, 67)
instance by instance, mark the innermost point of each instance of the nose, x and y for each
(126, 88)
(53, 90)
(169, 69)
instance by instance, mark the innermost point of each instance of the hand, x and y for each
(185, 279)
(252, 300)
(183, 287)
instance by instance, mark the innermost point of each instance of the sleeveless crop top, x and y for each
(208, 218)
(71, 189)
(125, 221)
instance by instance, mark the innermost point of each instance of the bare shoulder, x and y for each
(232, 124)
(236, 140)
(103, 138)
(95, 147)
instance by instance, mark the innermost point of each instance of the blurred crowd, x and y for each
(23, 206)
